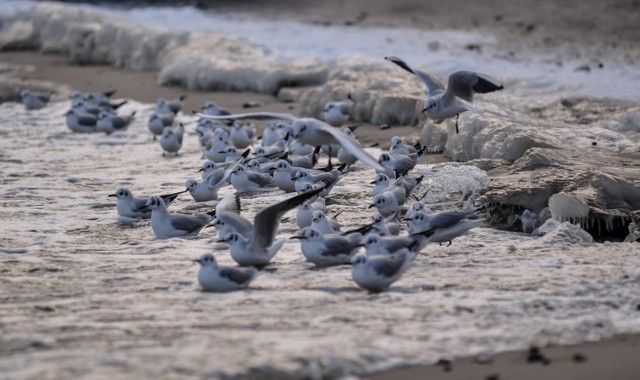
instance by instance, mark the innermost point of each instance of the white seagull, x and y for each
(214, 278)
(444, 103)
(377, 273)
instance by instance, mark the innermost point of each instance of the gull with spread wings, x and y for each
(310, 131)
(444, 103)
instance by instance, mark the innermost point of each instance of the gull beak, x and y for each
(221, 152)
(372, 205)
(222, 240)
(372, 182)
(359, 245)
(198, 261)
(406, 219)
(201, 170)
(111, 195)
(424, 110)
(298, 237)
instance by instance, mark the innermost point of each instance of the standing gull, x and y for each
(35, 100)
(446, 103)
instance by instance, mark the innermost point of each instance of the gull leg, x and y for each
(330, 165)
(450, 242)
(457, 116)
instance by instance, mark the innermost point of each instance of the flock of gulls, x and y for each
(285, 158)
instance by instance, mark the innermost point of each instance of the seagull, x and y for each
(170, 106)
(171, 141)
(310, 131)
(326, 249)
(253, 244)
(35, 100)
(305, 212)
(110, 123)
(241, 136)
(529, 221)
(323, 225)
(81, 123)
(272, 134)
(337, 113)
(399, 147)
(378, 245)
(166, 225)
(456, 98)
(391, 199)
(247, 182)
(283, 176)
(442, 226)
(207, 190)
(158, 121)
(398, 164)
(377, 273)
(304, 176)
(133, 207)
(344, 156)
(214, 278)
(211, 108)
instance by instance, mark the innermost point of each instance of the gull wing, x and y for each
(169, 198)
(388, 266)
(251, 115)
(433, 85)
(260, 179)
(227, 173)
(140, 205)
(351, 146)
(241, 225)
(267, 220)
(464, 84)
(337, 245)
(230, 203)
(86, 119)
(238, 275)
(187, 223)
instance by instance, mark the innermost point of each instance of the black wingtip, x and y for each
(400, 63)
(182, 97)
(109, 93)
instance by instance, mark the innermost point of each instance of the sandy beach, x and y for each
(89, 297)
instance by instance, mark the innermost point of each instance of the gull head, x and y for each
(299, 127)
(396, 141)
(282, 165)
(191, 184)
(317, 216)
(307, 233)
(417, 206)
(121, 194)
(206, 259)
(154, 202)
(378, 201)
(359, 259)
(167, 132)
(370, 240)
(380, 178)
(384, 157)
